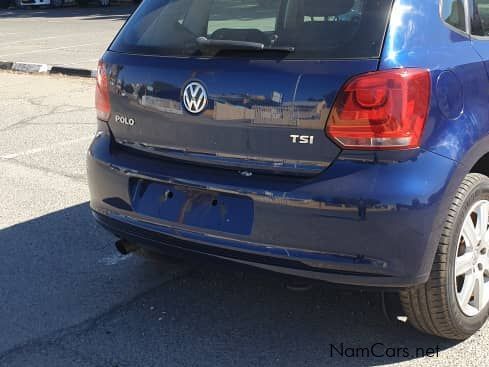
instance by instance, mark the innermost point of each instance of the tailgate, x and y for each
(259, 115)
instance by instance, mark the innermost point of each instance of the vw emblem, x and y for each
(195, 97)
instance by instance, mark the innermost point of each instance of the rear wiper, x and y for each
(239, 45)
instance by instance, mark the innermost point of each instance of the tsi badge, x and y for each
(302, 139)
(124, 120)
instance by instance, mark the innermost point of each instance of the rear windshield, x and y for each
(303, 29)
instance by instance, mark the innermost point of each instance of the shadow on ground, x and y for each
(60, 270)
(69, 300)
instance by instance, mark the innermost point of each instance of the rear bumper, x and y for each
(340, 269)
(369, 220)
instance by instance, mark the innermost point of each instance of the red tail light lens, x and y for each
(102, 99)
(382, 110)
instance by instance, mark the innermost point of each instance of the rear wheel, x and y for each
(454, 303)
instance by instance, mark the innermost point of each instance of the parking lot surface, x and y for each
(71, 37)
(68, 299)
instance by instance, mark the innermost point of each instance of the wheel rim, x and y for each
(472, 261)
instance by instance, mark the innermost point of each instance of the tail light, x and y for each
(102, 99)
(382, 110)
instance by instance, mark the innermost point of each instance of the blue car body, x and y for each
(361, 217)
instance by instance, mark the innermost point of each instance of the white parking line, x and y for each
(43, 38)
(45, 148)
(53, 49)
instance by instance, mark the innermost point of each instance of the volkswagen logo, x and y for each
(194, 97)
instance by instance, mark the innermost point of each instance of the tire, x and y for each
(4, 4)
(436, 307)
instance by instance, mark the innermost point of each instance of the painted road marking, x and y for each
(53, 49)
(26, 40)
(45, 148)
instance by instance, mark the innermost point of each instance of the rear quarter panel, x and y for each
(458, 123)
(417, 37)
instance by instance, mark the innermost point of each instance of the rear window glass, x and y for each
(271, 28)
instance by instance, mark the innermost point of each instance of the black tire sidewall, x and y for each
(466, 324)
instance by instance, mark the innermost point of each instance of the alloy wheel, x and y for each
(472, 261)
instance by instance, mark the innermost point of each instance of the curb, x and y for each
(33, 68)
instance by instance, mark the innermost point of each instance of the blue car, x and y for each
(291, 136)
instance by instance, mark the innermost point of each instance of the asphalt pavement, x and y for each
(73, 37)
(68, 299)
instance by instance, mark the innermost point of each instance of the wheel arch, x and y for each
(482, 165)
(475, 160)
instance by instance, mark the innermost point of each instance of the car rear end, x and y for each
(264, 133)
